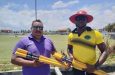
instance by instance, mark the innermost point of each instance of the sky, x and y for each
(19, 14)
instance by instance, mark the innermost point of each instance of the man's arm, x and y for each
(104, 54)
(23, 62)
(102, 58)
(70, 51)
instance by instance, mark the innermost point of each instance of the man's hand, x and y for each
(90, 68)
(35, 63)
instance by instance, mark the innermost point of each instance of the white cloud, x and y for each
(53, 19)
(16, 20)
(61, 4)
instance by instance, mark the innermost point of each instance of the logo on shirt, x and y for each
(87, 37)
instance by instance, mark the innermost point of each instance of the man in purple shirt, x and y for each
(37, 44)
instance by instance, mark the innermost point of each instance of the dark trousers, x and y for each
(79, 72)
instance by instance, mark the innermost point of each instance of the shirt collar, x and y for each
(31, 37)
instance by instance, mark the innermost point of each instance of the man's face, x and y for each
(37, 28)
(81, 21)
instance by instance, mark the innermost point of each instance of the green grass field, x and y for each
(7, 43)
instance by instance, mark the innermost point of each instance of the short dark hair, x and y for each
(37, 20)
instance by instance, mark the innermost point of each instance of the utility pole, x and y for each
(36, 9)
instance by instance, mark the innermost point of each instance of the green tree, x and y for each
(110, 27)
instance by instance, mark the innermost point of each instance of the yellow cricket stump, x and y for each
(80, 64)
(23, 53)
(83, 66)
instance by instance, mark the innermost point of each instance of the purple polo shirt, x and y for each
(42, 47)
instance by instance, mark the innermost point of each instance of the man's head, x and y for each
(37, 28)
(81, 21)
(81, 18)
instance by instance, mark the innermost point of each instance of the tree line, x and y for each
(110, 27)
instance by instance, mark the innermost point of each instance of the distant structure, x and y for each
(64, 31)
(6, 31)
(110, 34)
